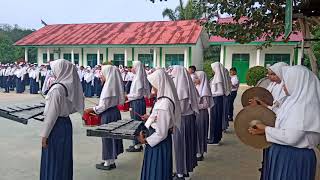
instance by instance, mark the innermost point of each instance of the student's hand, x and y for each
(126, 97)
(145, 117)
(256, 101)
(44, 142)
(258, 129)
(89, 110)
(141, 138)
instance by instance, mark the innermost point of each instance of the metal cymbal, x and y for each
(257, 92)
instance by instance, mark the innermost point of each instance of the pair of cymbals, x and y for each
(253, 114)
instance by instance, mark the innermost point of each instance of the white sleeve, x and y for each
(104, 104)
(285, 136)
(52, 111)
(161, 128)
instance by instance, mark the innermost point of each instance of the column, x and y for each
(222, 54)
(26, 54)
(48, 55)
(186, 58)
(125, 57)
(160, 60)
(98, 56)
(72, 56)
(258, 63)
(155, 57)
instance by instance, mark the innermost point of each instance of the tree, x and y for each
(8, 35)
(254, 19)
(192, 10)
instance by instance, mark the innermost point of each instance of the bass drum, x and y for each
(264, 82)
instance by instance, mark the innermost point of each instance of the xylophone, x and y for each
(23, 112)
(122, 129)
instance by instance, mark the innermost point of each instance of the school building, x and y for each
(156, 44)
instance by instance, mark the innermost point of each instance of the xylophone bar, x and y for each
(106, 134)
(12, 117)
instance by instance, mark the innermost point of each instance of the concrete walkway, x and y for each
(20, 152)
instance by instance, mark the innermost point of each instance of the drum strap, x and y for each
(174, 108)
(64, 87)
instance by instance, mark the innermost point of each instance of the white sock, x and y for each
(199, 155)
(137, 146)
(180, 175)
(107, 163)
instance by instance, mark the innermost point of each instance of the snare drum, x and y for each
(149, 102)
(91, 119)
(124, 108)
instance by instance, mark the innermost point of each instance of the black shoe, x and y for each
(133, 149)
(200, 158)
(186, 175)
(101, 166)
(178, 178)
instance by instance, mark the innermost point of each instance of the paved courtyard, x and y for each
(20, 152)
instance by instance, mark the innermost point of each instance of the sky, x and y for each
(28, 13)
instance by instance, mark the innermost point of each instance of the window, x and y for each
(45, 57)
(174, 59)
(271, 59)
(146, 59)
(67, 57)
(92, 59)
(118, 59)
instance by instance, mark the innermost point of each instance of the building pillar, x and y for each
(72, 56)
(222, 54)
(98, 57)
(125, 57)
(160, 60)
(48, 55)
(258, 63)
(186, 58)
(26, 54)
(155, 57)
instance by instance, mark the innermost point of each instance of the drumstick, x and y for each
(130, 109)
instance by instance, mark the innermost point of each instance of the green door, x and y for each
(92, 59)
(241, 63)
(271, 59)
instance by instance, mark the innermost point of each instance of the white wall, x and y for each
(197, 55)
(252, 51)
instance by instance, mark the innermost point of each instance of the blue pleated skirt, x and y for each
(97, 86)
(290, 163)
(157, 161)
(216, 119)
(202, 130)
(185, 145)
(88, 90)
(138, 106)
(19, 86)
(225, 118)
(111, 148)
(57, 160)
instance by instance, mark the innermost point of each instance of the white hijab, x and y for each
(204, 87)
(185, 87)
(88, 76)
(221, 75)
(301, 110)
(275, 88)
(66, 74)
(140, 80)
(113, 86)
(166, 88)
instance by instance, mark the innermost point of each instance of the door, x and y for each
(241, 63)
(92, 60)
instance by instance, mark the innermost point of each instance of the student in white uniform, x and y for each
(276, 85)
(185, 139)
(220, 89)
(140, 89)
(234, 90)
(202, 121)
(297, 130)
(111, 96)
(166, 115)
(192, 71)
(65, 97)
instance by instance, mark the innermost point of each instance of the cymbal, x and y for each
(258, 92)
(264, 82)
(246, 118)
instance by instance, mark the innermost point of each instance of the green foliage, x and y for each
(255, 74)
(192, 10)
(8, 36)
(211, 55)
